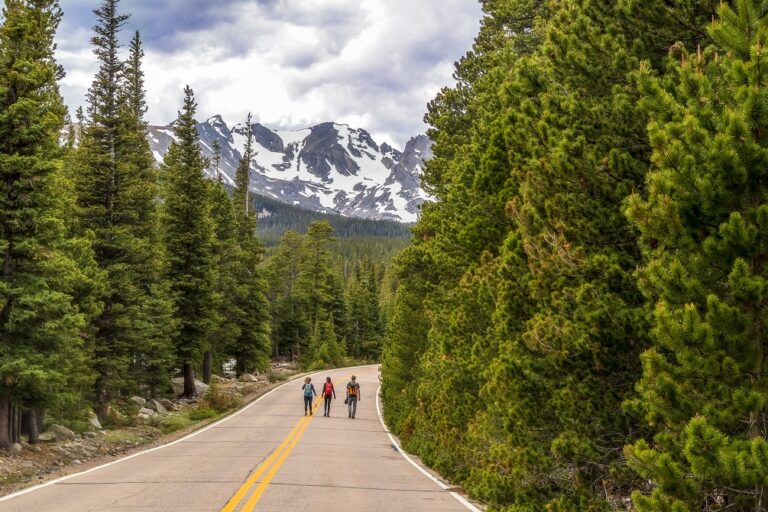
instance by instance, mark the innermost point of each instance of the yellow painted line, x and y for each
(256, 496)
(235, 500)
(290, 441)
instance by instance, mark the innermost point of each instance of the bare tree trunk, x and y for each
(207, 363)
(15, 424)
(5, 422)
(190, 389)
(33, 425)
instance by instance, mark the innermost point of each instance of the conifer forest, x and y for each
(578, 321)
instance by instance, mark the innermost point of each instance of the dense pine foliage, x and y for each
(577, 325)
(118, 274)
(580, 316)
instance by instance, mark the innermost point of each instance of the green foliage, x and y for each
(46, 275)
(702, 227)
(219, 400)
(325, 350)
(190, 239)
(275, 376)
(276, 218)
(518, 293)
(202, 413)
(174, 422)
(116, 188)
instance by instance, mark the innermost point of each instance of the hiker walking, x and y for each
(309, 393)
(353, 396)
(328, 393)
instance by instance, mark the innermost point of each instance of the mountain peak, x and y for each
(329, 167)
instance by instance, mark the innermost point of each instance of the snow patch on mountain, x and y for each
(330, 167)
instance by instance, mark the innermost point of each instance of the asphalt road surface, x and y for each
(267, 457)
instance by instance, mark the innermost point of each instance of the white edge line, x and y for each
(188, 436)
(426, 473)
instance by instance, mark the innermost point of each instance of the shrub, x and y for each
(275, 376)
(202, 413)
(173, 422)
(219, 400)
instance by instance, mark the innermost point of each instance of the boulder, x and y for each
(218, 380)
(247, 377)
(178, 386)
(156, 406)
(89, 435)
(147, 412)
(93, 421)
(229, 374)
(169, 406)
(138, 401)
(16, 448)
(46, 437)
(62, 433)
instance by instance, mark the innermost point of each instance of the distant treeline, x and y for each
(282, 217)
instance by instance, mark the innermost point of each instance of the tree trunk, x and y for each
(5, 422)
(33, 426)
(40, 414)
(190, 389)
(15, 424)
(207, 362)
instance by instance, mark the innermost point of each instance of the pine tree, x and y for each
(152, 311)
(117, 188)
(252, 348)
(42, 357)
(290, 320)
(189, 239)
(315, 279)
(324, 350)
(704, 233)
(227, 276)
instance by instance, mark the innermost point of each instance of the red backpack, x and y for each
(328, 389)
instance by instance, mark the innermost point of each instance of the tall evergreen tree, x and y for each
(227, 280)
(315, 280)
(152, 308)
(189, 239)
(290, 320)
(704, 232)
(252, 347)
(116, 186)
(42, 357)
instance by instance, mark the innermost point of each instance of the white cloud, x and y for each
(370, 63)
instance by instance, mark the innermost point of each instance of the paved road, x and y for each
(267, 458)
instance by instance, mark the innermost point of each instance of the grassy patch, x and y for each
(174, 422)
(123, 437)
(202, 413)
(275, 376)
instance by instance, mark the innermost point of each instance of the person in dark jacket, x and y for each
(309, 393)
(328, 393)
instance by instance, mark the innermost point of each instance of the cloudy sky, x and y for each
(373, 64)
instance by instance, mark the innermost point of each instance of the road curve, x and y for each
(267, 457)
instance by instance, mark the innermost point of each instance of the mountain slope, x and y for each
(328, 168)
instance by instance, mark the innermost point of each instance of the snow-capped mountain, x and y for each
(329, 168)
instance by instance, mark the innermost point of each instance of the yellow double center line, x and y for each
(272, 463)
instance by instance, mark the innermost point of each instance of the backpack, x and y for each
(328, 389)
(308, 390)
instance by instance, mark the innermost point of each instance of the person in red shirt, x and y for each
(328, 393)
